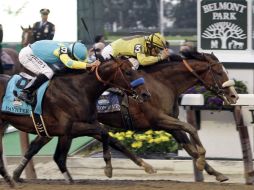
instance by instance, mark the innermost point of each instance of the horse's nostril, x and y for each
(145, 95)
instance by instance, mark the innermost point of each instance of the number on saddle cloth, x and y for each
(11, 104)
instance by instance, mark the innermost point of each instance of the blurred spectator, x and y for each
(99, 38)
(188, 49)
(188, 46)
(43, 30)
(95, 51)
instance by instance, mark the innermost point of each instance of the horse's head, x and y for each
(118, 72)
(27, 36)
(216, 79)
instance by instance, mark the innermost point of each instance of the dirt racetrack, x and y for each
(125, 185)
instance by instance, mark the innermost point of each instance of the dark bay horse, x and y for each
(69, 107)
(166, 82)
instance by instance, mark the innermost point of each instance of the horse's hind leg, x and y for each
(3, 171)
(120, 147)
(33, 149)
(165, 122)
(60, 156)
(183, 139)
(87, 129)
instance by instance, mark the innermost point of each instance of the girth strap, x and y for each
(39, 125)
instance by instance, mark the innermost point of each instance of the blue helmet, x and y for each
(78, 51)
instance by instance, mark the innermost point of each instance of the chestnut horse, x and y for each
(166, 82)
(69, 106)
(27, 36)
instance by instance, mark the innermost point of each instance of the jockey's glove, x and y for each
(164, 54)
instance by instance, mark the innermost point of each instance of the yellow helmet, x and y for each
(157, 40)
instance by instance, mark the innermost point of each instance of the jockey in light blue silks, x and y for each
(37, 56)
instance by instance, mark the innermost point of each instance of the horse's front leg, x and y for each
(183, 139)
(60, 156)
(165, 122)
(3, 171)
(94, 129)
(33, 149)
(114, 143)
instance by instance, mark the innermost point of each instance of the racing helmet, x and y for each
(78, 51)
(156, 40)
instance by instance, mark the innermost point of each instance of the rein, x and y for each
(107, 82)
(217, 90)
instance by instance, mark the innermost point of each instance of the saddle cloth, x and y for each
(108, 102)
(11, 104)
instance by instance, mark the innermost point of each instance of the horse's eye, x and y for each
(128, 73)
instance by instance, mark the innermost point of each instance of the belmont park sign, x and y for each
(223, 24)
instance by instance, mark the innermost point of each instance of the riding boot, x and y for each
(27, 93)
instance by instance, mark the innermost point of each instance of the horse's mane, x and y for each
(175, 59)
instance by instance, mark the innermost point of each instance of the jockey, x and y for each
(39, 56)
(144, 50)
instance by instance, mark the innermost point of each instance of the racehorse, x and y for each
(166, 82)
(69, 106)
(27, 36)
(10, 61)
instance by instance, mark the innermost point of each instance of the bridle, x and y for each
(219, 91)
(118, 73)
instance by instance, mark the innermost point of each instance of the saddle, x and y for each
(115, 100)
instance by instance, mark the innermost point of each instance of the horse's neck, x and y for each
(83, 86)
(176, 76)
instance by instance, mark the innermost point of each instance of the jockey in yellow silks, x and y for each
(144, 50)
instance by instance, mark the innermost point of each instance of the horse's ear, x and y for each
(22, 27)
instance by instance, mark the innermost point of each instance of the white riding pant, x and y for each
(108, 50)
(33, 63)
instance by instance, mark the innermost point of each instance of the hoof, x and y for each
(108, 171)
(200, 163)
(18, 179)
(222, 178)
(11, 183)
(148, 168)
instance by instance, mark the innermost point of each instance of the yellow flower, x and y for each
(128, 136)
(148, 137)
(137, 144)
(168, 134)
(150, 141)
(158, 132)
(120, 138)
(164, 138)
(111, 134)
(140, 137)
(157, 140)
(149, 132)
(129, 132)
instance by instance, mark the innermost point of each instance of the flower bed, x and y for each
(149, 142)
